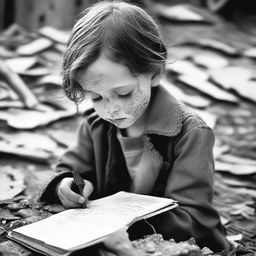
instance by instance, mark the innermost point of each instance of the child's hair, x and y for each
(125, 31)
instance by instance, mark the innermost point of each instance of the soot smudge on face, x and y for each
(92, 81)
(136, 105)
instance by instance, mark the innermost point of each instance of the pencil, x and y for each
(79, 183)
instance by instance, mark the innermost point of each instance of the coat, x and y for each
(185, 142)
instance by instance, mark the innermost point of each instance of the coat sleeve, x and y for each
(190, 182)
(79, 157)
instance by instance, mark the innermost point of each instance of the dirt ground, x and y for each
(235, 195)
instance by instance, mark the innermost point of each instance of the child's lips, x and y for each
(117, 120)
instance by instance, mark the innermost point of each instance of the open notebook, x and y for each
(74, 229)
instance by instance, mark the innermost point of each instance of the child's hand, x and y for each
(118, 244)
(68, 197)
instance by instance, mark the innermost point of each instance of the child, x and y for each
(137, 137)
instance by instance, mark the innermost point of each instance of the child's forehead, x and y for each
(104, 74)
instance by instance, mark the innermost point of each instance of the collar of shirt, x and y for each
(165, 114)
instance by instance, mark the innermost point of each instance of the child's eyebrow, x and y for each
(128, 86)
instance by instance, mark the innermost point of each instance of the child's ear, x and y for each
(155, 80)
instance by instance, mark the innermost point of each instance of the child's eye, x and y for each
(96, 99)
(127, 95)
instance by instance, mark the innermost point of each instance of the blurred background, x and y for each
(211, 68)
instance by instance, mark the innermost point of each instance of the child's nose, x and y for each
(112, 108)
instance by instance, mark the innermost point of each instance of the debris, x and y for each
(236, 78)
(210, 60)
(182, 13)
(21, 64)
(22, 119)
(15, 82)
(193, 100)
(224, 220)
(6, 215)
(215, 45)
(54, 34)
(64, 138)
(4, 93)
(242, 209)
(14, 248)
(30, 140)
(233, 239)
(54, 208)
(208, 88)
(149, 245)
(52, 79)
(251, 53)
(12, 183)
(237, 160)
(25, 213)
(35, 72)
(236, 169)
(5, 53)
(34, 46)
(16, 206)
(186, 67)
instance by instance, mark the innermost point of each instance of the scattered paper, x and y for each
(64, 138)
(34, 155)
(215, 44)
(5, 53)
(34, 47)
(12, 183)
(208, 88)
(237, 160)
(187, 68)
(251, 53)
(210, 60)
(21, 64)
(52, 79)
(23, 119)
(29, 140)
(176, 53)
(4, 93)
(54, 34)
(236, 169)
(192, 100)
(238, 79)
(178, 13)
(35, 72)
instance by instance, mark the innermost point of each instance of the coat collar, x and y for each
(165, 114)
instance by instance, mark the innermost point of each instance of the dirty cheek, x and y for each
(136, 105)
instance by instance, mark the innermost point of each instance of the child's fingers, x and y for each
(67, 196)
(67, 203)
(88, 189)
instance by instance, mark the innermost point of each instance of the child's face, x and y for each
(117, 95)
